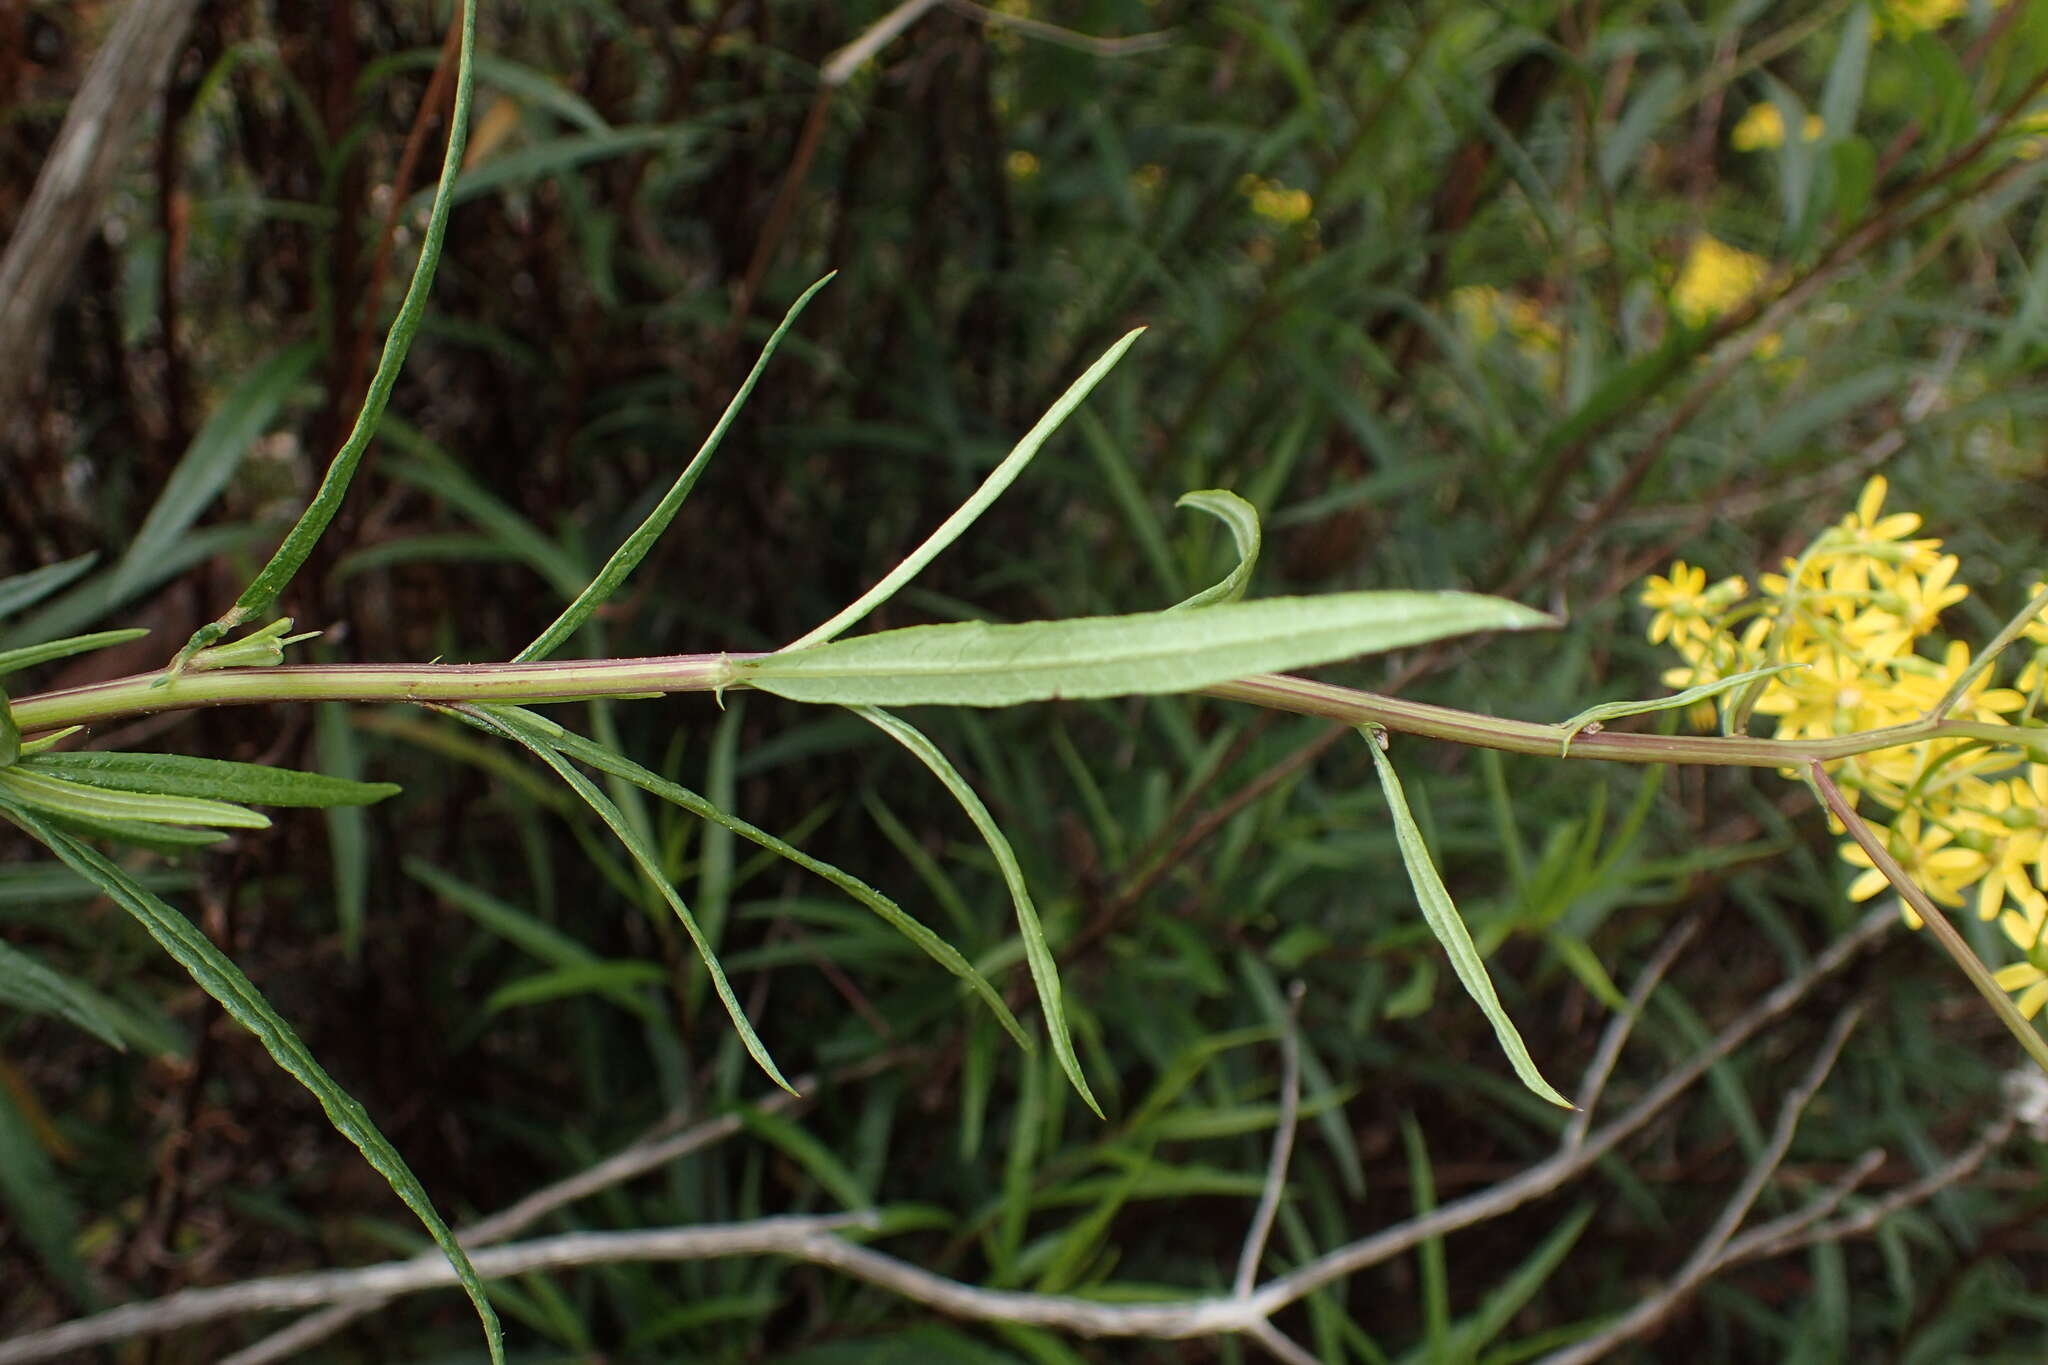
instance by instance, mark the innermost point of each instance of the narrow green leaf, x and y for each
(554, 155)
(27, 984)
(313, 523)
(432, 471)
(60, 796)
(1436, 1284)
(28, 656)
(1243, 520)
(223, 980)
(10, 734)
(508, 922)
(43, 884)
(37, 1202)
(607, 761)
(1001, 477)
(93, 599)
(348, 829)
(815, 1159)
(160, 838)
(973, 663)
(1510, 1295)
(1593, 715)
(212, 458)
(531, 87)
(635, 547)
(616, 980)
(24, 590)
(530, 733)
(1444, 922)
(1044, 970)
(184, 775)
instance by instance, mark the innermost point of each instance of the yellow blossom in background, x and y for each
(1763, 128)
(2032, 143)
(1276, 202)
(1858, 613)
(1148, 178)
(1484, 312)
(1714, 279)
(1020, 165)
(1904, 18)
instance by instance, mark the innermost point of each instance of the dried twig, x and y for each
(1707, 1257)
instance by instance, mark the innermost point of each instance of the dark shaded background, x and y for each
(653, 184)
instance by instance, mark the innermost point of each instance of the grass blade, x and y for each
(1044, 971)
(1442, 917)
(14, 660)
(24, 590)
(1004, 474)
(212, 458)
(28, 985)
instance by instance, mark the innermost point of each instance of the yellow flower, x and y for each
(1714, 279)
(1020, 165)
(1763, 128)
(1904, 18)
(1684, 604)
(1148, 178)
(2024, 979)
(1929, 856)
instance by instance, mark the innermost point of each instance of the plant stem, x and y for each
(531, 682)
(143, 693)
(1946, 934)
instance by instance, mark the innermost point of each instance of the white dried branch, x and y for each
(1283, 1146)
(1594, 1083)
(1707, 1257)
(650, 1152)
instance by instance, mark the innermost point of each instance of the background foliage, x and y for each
(1435, 286)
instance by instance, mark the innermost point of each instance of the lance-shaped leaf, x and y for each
(1038, 953)
(220, 978)
(1442, 916)
(972, 663)
(75, 800)
(215, 778)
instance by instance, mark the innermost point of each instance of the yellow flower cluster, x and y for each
(1714, 279)
(1847, 621)
(1484, 310)
(1763, 128)
(1904, 18)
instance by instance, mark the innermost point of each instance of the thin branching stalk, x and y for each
(144, 693)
